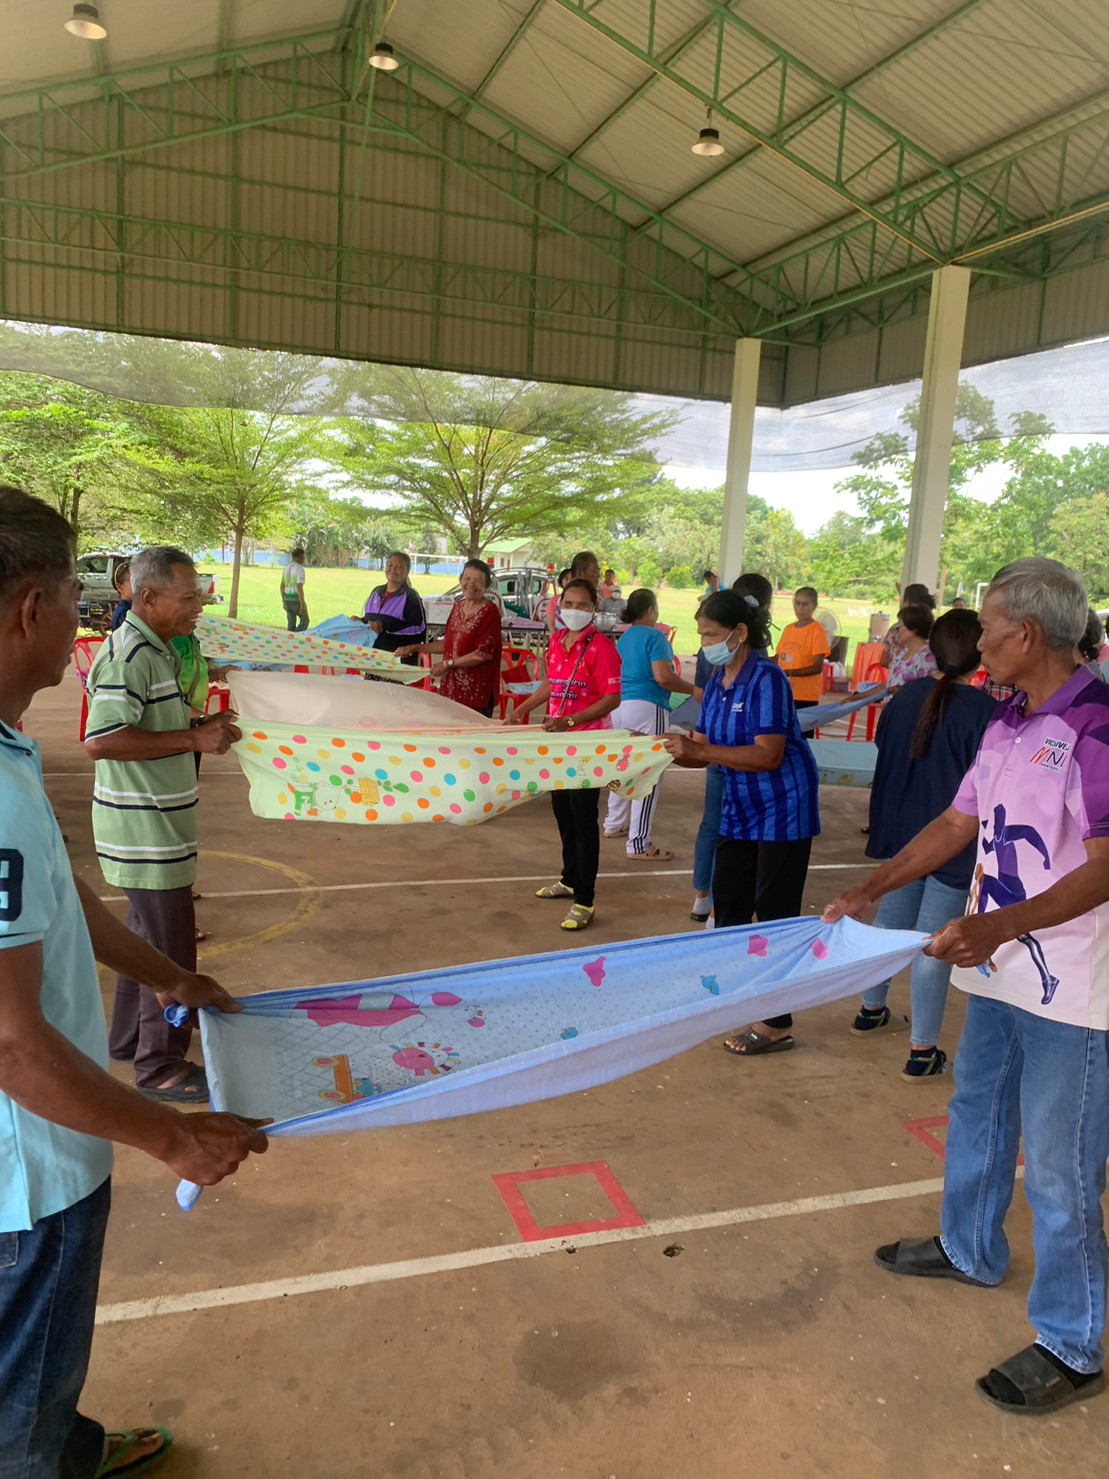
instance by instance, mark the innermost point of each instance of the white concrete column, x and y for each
(741, 436)
(943, 355)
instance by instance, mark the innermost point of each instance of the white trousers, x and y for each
(641, 717)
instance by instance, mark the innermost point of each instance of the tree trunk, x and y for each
(236, 563)
(75, 510)
(473, 551)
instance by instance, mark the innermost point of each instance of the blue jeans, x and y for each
(1017, 1072)
(49, 1278)
(926, 905)
(704, 850)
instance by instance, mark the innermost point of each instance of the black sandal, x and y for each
(192, 1089)
(751, 1044)
(1034, 1382)
(922, 1258)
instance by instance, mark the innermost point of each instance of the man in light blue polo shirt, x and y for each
(59, 1109)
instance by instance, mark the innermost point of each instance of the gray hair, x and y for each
(153, 568)
(36, 543)
(1047, 593)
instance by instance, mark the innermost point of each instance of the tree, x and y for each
(774, 545)
(483, 459)
(224, 472)
(1080, 538)
(69, 446)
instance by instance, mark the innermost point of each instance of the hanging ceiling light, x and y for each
(382, 58)
(85, 22)
(708, 141)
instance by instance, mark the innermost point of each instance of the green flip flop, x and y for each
(118, 1463)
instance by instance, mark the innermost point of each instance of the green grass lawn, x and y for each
(344, 592)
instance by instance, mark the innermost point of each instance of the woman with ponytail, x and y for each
(927, 737)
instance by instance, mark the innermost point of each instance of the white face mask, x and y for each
(575, 620)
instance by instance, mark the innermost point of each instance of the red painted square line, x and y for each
(919, 1130)
(508, 1184)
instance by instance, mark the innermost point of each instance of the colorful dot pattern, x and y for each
(317, 775)
(228, 642)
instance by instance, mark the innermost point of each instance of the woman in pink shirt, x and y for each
(580, 691)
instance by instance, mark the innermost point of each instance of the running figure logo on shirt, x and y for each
(1007, 888)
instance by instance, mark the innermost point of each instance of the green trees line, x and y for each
(421, 455)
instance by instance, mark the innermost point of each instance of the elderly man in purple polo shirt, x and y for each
(1032, 953)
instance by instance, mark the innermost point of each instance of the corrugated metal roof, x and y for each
(457, 228)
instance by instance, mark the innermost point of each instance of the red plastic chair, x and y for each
(84, 651)
(876, 673)
(219, 699)
(518, 665)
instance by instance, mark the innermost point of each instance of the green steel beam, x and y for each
(688, 286)
(312, 269)
(314, 88)
(811, 116)
(861, 134)
(522, 28)
(672, 54)
(821, 269)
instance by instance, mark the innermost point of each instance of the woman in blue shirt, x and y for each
(757, 591)
(769, 813)
(647, 679)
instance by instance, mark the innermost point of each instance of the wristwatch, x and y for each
(570, 722)
(450, 662)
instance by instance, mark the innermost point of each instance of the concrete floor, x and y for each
(425, 1344)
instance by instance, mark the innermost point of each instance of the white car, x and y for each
(524, 592)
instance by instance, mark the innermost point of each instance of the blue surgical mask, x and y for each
(719, 654)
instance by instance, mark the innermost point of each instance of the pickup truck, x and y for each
(96, 572)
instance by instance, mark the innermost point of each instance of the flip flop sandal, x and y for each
(922, 1258)
(754, 1044)
(200, 935)
(579, 916)
(656, 855)
(193, 1089)
(554, 891)
(117, 1464)
(1034, 1382)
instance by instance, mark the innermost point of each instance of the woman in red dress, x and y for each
(470, 670)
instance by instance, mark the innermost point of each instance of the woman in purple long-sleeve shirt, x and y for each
(394, 610)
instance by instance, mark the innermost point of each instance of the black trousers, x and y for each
(167, 919)
(579, 825)
(759, 880)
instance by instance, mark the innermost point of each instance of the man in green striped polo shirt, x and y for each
(144, 803)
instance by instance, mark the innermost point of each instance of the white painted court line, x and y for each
(335, 888)
(442, 1263)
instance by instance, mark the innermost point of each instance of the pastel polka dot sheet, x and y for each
(407, 1049)
(225, 642)
(299, 773)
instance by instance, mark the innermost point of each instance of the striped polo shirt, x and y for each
(143, 811)
(765, 806)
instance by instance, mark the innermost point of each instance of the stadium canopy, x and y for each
(905, 184)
